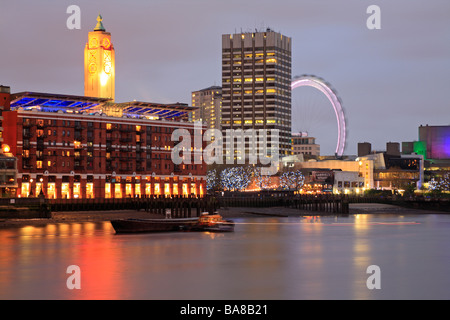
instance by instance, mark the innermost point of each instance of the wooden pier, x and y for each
(318, 203)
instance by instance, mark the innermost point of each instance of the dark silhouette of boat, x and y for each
(206, 222)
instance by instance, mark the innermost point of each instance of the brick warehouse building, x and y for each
(83, 147)
(92, 147)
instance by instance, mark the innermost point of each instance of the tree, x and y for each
(442, 184)
(262, 181)
(235, 178)
(292, 180)
(212, 180)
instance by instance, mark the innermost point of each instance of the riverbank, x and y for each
(229, 213)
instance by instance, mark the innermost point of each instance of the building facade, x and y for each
(303, 144)
(67, 148)
(348, 182)
(256, 84)
(436, 140)
(393, 170)
(8, 163)
(5, 92)
(364, 166)
(208, 102)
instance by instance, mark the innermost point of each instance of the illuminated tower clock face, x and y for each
(92, 68)
(93, 43)
(107, 68)
(106, 44)
(107, 62)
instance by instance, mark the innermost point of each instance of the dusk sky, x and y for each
(390, 80)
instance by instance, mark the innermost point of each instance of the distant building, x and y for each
(256, 85)
(4, 106)
(8, 163)
(364, 148)
(303, 144)
(208, 102)
(434, 145)
(437, 141)
(348, 182)
(388, 170)
(393, 170)
(363, 166)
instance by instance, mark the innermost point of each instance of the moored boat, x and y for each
(206, 222)
(152, 225)
(212, 223)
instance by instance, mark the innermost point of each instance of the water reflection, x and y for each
(265, 258)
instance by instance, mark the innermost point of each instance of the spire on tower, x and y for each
(99, 26)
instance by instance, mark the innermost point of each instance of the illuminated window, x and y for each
(38, 187)
(25, 191)
(185, 189)
(271, 60)
(259, 79)
(51, 191)
(65, 192)
(39, 164)
(271, 121)
(271, 90)
(108, 126)
(89, 190)
(167, 189)
(129, 190)
(107, 190)
(148, 189)
(117, 191)
(157, 189)
(175, 189)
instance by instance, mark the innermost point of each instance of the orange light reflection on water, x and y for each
(74, 244)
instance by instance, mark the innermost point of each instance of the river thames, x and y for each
(265, 258)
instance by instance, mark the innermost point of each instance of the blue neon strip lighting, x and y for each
(51, 103)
